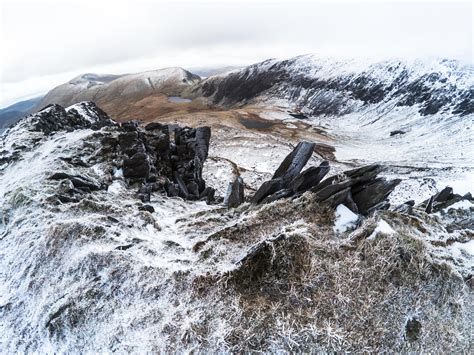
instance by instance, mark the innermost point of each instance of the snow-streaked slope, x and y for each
(106, 88)
(361, 102)
(329, 86)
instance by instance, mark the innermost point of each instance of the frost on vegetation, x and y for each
(103, 275)
(382, 228)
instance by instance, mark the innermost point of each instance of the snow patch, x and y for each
(382, 227)
(464, 204)
(116, 187)
(345, 219)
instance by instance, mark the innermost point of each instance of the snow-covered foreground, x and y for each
(100, 274)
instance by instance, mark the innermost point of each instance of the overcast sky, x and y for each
(47, 42)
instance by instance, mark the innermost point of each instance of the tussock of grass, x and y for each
(306, 289)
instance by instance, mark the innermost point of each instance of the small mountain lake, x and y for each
(256, 124)
(177, 99)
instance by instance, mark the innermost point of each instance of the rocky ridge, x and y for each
(95, 256)
(146, 157)
(327, 86)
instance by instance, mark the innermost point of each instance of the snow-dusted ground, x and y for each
(101, 275)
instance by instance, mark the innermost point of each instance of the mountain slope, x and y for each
(319, 86)
(87, 266)
(399, 112)
(12, 113)
(120, 90)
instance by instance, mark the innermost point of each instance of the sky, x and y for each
(47, 42)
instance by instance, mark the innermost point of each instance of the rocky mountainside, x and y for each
(404, 110)
(116, 237)
(317, 86)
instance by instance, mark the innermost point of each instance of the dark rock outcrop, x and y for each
(294, 162)
(147, 208)
(54, 118)
(359, 189)
(235, 193)
(288, 170)
(81, 183)
(442, 200)
(151, 158)
(309, 178)
(397, 132)
(138, 166)
(266, 189)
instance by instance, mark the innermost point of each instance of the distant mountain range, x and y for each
(12, 113)
(110, 90)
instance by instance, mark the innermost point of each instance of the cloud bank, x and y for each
(47, 41)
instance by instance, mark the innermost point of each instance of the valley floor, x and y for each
(253, 139)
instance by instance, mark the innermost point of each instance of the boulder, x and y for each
(59, 176)
(147, 208)
(396, 132)
(79, 182)
(171, 189)
(84, 183)
(144, 193)
(235, 193)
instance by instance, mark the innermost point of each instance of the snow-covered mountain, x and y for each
(300, 224)
(409, 112)
(328, 86)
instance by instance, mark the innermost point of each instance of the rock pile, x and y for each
(359, 189)
(155, 161)
(153, 158)
(55, 118)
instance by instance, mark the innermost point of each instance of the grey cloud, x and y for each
(51, 37)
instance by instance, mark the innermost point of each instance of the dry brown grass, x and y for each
(300, 288)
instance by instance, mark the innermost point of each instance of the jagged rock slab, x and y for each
(235, 193)
(370, 194)
(288, 170)
(294, 162)
(309, 178)
(266, 189)
(442, 200)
